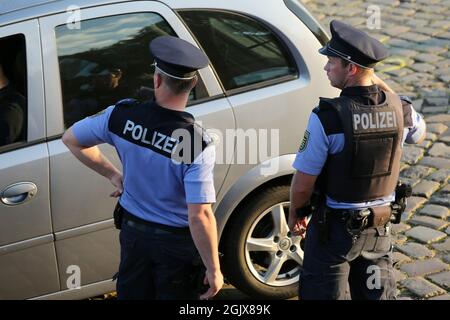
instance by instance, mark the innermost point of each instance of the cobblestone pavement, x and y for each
(418, 37)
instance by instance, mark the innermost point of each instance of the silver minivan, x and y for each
(71, 59)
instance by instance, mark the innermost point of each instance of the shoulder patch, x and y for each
(304, 143)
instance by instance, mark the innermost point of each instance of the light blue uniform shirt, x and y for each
(156, 188)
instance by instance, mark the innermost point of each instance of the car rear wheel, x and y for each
(261, 257)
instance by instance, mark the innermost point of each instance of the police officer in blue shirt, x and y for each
(166, 190)
(347, 174)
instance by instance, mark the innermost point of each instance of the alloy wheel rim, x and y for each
(273, 256)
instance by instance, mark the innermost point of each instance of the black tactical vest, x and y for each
(368, 166)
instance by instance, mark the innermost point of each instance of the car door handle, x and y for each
(18, 193)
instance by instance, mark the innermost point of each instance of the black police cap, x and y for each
(177, 58)
(354, 45)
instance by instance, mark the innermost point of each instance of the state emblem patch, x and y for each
(304, 143)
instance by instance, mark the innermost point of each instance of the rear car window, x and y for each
(106, 60)
(242, 50)
(13, 91)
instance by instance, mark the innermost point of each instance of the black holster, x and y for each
(118, 216)
(356, 222)
(323, 222)
(402, 192)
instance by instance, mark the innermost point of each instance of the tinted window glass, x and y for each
(106, 60)
(241, 49)
(13, 90)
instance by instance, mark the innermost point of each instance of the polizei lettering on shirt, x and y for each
(178, 143)
(374, 121)
(154, 138)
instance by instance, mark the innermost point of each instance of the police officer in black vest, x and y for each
(347, 175)
(167, 187)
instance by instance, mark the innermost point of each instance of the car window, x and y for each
(242, 50)
(13, 91)
(108, 59)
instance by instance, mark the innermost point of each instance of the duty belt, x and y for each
(359, 220)
(146, 226)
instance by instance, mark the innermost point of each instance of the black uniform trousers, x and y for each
(157, 264)
(364, 267)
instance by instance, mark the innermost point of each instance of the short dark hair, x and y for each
(345, 63)
(178, 86)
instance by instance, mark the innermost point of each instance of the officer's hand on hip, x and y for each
(117, 181)
(215, 282)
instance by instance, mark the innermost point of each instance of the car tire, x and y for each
(245, 269)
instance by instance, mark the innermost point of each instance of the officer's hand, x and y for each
(215, 282)
(117, 181)
(297, 226)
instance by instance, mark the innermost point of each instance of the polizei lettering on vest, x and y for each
(374, 120)
(158, 139)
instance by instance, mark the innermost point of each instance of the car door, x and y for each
(268, 66)
(27, 252)
(272, 74)
(81, 66)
